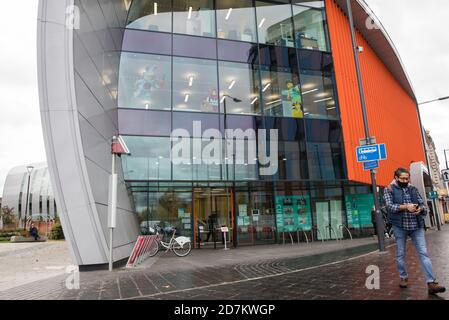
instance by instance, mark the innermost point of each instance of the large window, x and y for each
(166, 209)
(150, 15)
(310, 28)
(236, 20)
(202, 165)
(145, 81)
(195, 17)
(281, 92)
(274, 23)
(239, 81)
(318, 95)
(195, 85)
(149, 160)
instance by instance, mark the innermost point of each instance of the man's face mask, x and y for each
(403, 181)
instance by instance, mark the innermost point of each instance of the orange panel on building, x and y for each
(392, 114)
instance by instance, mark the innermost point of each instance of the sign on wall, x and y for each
(293, 213)
(358, 209)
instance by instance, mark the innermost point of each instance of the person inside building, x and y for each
(406, 211)
(373, 220)
(211, 222)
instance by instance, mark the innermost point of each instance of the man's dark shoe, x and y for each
(403, 283)
(434, 288)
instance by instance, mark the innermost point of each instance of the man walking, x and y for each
(406, 211)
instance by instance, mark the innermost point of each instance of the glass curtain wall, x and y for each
(231, 64)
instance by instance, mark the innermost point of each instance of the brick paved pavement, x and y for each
(330, 275)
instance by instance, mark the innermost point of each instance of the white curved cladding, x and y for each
(17, 183)
(14, 183)
(417, 171)
(76, 152)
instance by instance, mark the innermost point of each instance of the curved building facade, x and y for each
(41, 201)
(192, 72)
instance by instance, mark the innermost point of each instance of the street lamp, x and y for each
(236, 100)
(379, 218)
(29, 170)
(435, 100)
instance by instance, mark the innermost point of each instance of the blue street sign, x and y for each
(370, 165)
(371, 153)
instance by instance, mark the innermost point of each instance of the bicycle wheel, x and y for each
(154, 249)
(182, 250)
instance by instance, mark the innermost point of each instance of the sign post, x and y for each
(118, 148)
(370, 154)
(225, 230)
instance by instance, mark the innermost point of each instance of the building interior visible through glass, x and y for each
(247, 66)
(149, 81)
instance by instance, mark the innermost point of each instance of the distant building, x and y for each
(435, 173)
(41, 201)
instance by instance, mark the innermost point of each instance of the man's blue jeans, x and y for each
(419, 241)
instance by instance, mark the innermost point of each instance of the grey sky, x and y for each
(418, 29)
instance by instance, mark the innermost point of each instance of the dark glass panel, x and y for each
(289, 161)
(323, 131)
(315, 61)
(144, 122)
(194, 47)
(238, 51)
(148, 42)
(243, 122)
(277, 56)
(320, 160)
(289, 129)
(185, 120)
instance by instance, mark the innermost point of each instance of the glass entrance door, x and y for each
(213, 210)
(329, 219)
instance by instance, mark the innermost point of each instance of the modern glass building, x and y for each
(145, 69)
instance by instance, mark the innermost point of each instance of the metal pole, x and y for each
(379, 219)
(435, 100)
(26, 203)
(111, 230)
(225, 240)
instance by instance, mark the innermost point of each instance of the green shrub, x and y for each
(9, 234)
(56, 232)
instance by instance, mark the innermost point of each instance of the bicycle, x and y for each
(181, 246)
